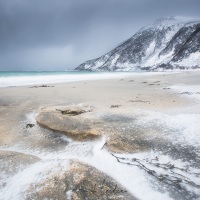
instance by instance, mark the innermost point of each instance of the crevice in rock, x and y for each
(71, 112)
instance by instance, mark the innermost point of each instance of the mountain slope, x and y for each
(170, 43)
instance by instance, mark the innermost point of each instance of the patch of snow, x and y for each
(30, 117)
(164, 165)
(192, 61)
(155, 59)
(114, 60)
(69, 194)
(17, 185)
(150, 49)
(178, 128)
(90, 153)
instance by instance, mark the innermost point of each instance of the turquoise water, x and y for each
(43, 77)
(46, 73)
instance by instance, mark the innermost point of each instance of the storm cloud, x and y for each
(61, 34)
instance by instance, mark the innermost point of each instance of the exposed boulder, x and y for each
(74, 121)
(80, 182)
(12, 162)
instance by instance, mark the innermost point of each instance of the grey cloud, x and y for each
(35, 34)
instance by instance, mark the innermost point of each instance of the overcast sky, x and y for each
(61, 34)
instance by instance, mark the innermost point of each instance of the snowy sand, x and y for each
(171, 112)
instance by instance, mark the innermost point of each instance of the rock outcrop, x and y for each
(73, 121)
(12, 162)
(80, 182)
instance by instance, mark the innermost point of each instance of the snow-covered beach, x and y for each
(149, 138)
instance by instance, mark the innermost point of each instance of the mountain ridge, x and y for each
(168, 43)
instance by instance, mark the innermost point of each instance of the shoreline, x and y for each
(43, 78)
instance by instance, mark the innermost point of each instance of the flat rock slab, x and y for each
(74, 121)
(80, 182)
(80, 123)
(122, 132)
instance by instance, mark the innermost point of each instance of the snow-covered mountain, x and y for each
(168, 43)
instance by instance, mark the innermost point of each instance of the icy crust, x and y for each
(168, 43)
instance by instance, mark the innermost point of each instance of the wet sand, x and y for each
(137, 116)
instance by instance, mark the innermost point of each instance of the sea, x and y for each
(8, 79)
